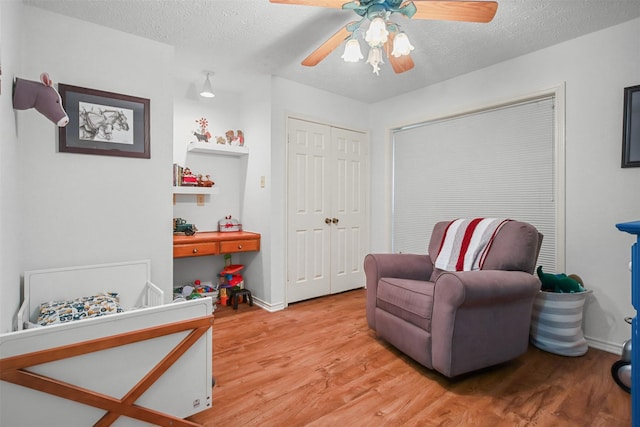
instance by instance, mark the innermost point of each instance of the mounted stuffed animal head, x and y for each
(42, 96)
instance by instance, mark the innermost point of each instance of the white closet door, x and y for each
(327, 209)
(309, 205)
(349, 190)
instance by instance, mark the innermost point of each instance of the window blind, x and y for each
(492, 163)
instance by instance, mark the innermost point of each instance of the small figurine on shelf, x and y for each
(231, 136)
(202, 134)
(221, 140)
(188, 178)
(205, 182)
(201, 138)
(240, 138)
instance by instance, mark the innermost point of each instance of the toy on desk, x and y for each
(228, 224)
(180, 226)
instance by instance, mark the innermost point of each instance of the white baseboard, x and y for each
(605, 346)
(269, 307)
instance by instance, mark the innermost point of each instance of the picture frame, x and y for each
(104, 123)
(631, 128)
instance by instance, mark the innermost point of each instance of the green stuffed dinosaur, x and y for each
(560, 283)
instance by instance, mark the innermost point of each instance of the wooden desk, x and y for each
(215, 243)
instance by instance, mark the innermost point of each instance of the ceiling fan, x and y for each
(384, 35)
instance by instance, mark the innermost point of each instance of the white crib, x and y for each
(150, 365)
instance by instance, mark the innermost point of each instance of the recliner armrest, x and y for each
(480, 318)
(484, 287)
(406, 266)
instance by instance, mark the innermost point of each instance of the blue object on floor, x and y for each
(634, 228)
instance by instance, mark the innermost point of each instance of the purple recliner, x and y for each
(457, 322)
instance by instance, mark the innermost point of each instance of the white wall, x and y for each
(84, 209)
(599, 193)
(10, 213)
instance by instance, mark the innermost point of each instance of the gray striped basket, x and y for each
(556, 323)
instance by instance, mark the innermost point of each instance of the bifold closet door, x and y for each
(327, 224)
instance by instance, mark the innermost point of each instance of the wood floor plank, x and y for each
(317, 363)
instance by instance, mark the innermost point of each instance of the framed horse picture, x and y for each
(104, 123)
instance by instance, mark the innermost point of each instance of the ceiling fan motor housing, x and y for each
(374, 8)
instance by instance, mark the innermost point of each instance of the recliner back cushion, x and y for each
(514, 248)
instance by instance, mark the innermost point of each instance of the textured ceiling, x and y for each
(274, 38)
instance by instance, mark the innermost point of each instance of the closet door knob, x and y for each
(335, 220)
(327, 220)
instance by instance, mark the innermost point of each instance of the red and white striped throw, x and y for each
(466, 243)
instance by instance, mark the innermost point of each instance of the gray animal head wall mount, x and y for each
(42, 96)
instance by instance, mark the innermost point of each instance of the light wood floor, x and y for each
(316, 363)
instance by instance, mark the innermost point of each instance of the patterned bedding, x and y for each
(55, 312)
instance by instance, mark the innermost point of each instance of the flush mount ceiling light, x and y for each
(384, 36)
(207, 90)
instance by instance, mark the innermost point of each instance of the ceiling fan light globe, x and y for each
(352, 52)
(401, 45)
(377, 33)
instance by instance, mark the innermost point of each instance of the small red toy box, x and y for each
(229, 224)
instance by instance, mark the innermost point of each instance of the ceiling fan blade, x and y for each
(468, 11)
(336, 4)
(400, 64)
(327, 47)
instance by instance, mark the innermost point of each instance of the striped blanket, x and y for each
(466, 243)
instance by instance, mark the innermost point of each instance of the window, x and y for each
(498, 162)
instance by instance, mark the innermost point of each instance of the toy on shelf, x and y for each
(202, 134)
(183, 177)
(233, 138)
(188, 178)
(205, 182)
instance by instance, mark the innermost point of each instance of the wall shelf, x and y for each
(214, 148)
(196, 190)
